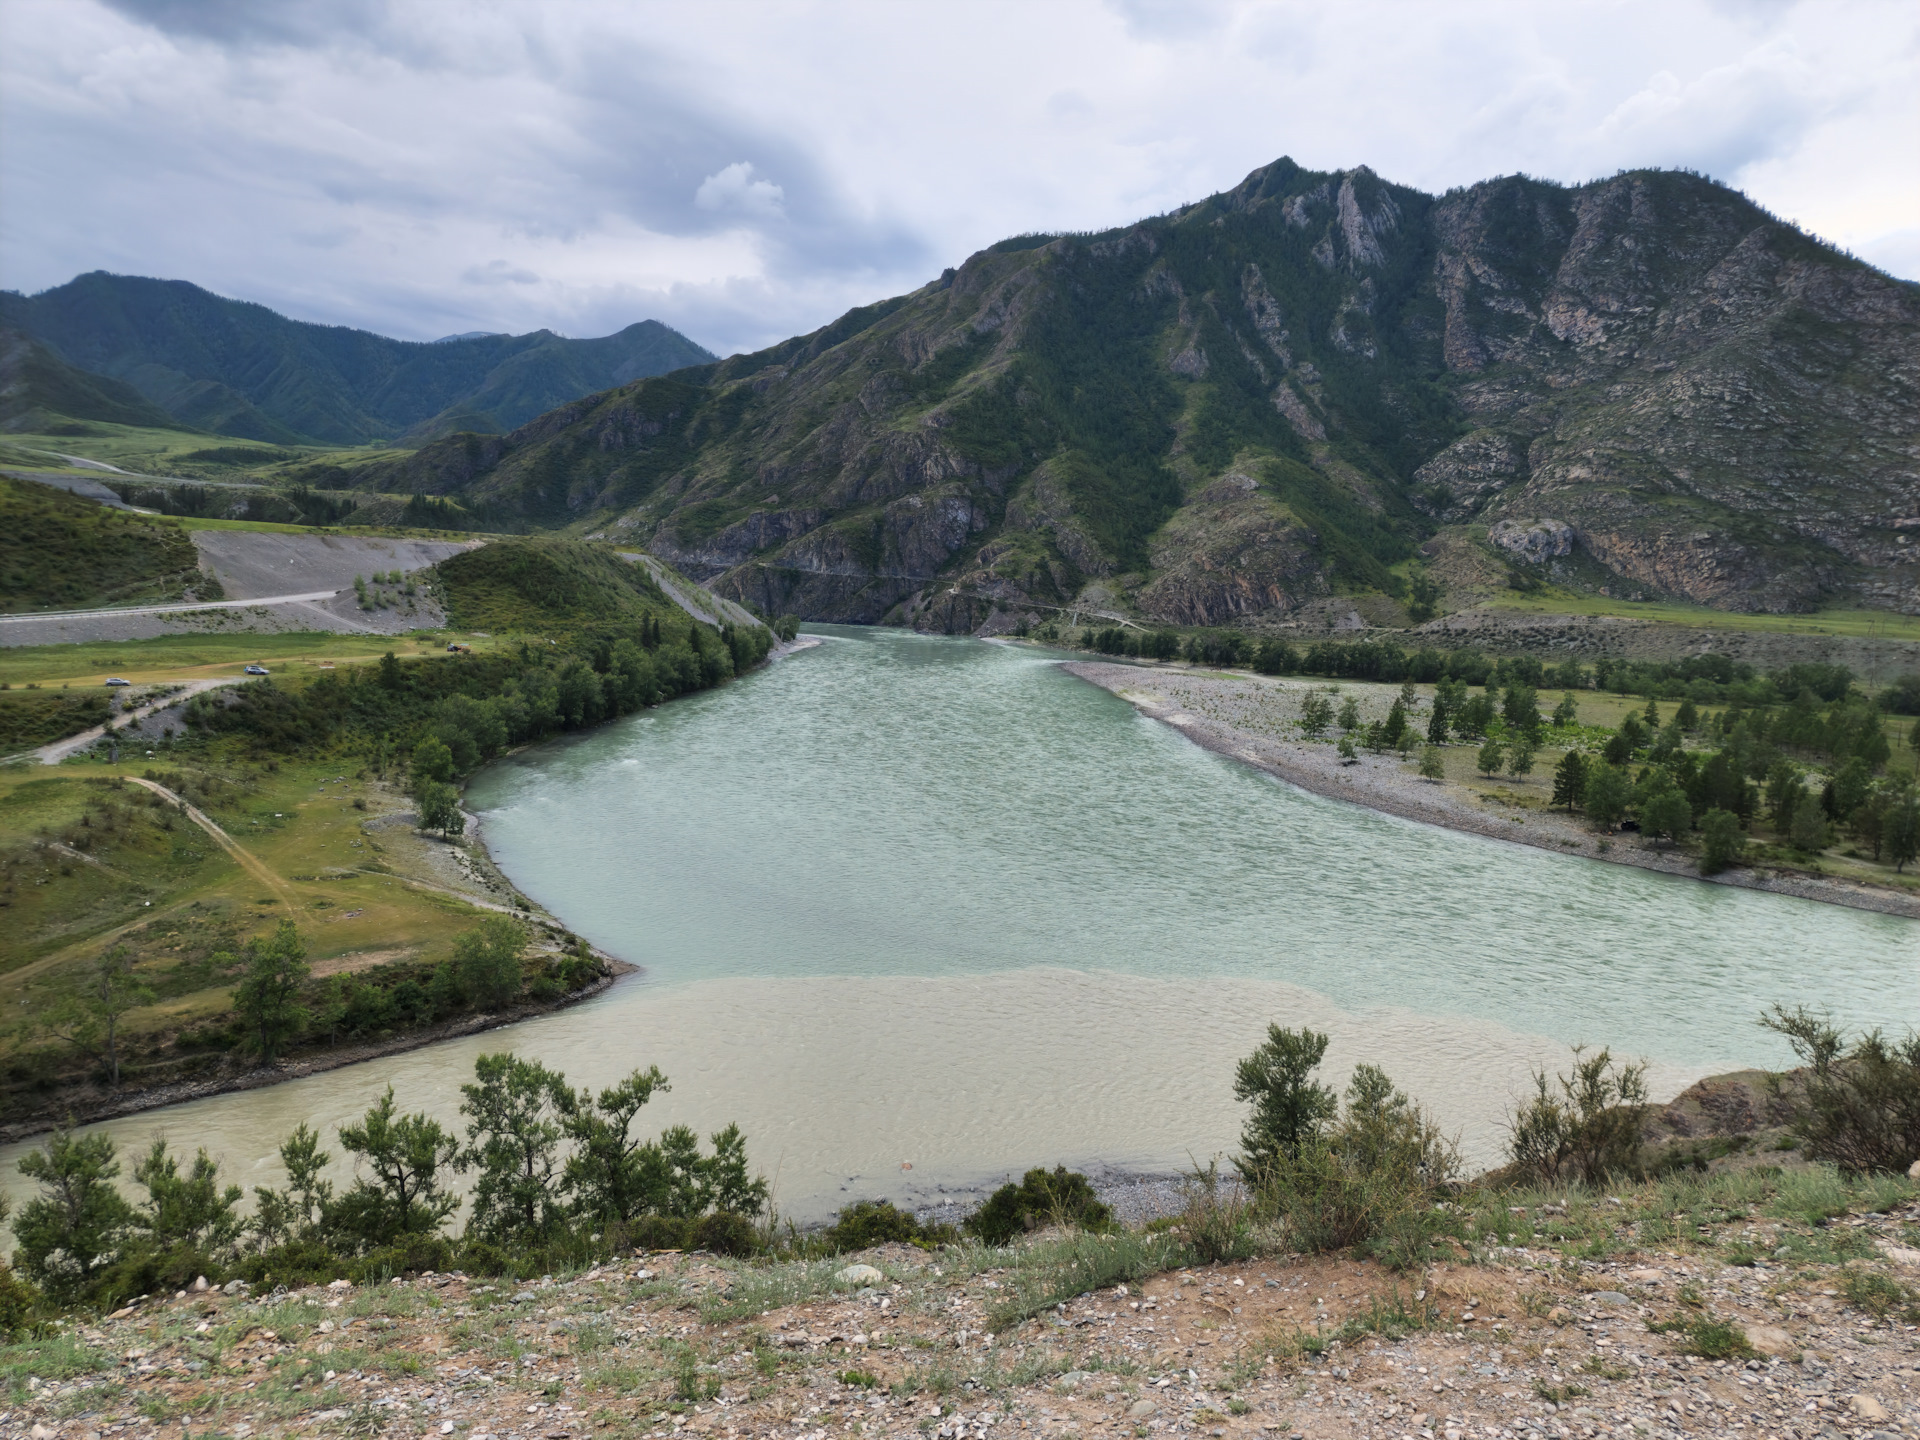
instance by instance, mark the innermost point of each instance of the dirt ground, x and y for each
(1529, 1343)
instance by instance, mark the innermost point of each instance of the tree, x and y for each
(77, 1223)
(1784, 792)
(1520, 755)
(1437, 724)
(406, 1154)
(1316, 713)
(1490, 758)
(1722, 842)
(1423, 597)
(611, 1174)
(516, 1110)
(1566, 712)
(1570, 780)
(1850, 787)
(1808, 833)
(190, 1212)
(486, 960)
(1652, 714)
(1860, 1105)
(1289, 1106)
(432, 760)
(1666, 812)
(89, 1020)
(1345, 747)
(299, 1211)
(1396, 722)
(267, 1000)
(1606, 796)
(439, 808)
(1903, 828)
(1377, 740)
(1520, 708)
(1349, 714)
(1687, 717)
(1432, 765)
(1591, 1127)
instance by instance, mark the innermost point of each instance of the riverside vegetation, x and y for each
(1347, 1280)
(140, 949)
(1740, 768)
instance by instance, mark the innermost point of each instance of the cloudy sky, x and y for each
(746, 171)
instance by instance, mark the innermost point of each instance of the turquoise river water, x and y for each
(933, 903)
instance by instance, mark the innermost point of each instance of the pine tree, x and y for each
(1570, 780)
(1490, 758)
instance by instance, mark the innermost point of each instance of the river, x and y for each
(905, 901)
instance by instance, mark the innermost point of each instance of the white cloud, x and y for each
(579, 167)
(735, 190)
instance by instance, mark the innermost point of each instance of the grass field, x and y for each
(158, 884)
(196, 657)
(185, 453)
(1863, 624)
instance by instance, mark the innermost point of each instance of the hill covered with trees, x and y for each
(234, 368)
(1308, 386)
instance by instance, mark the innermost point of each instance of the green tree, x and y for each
(1437, 724)
(1687, 717)
(612, 1174)
(1377, 737)
(1651, 715)
(1570, 780)
(77, 1223)
(1520, 708)
(516, 1111)
(89, 1019)
(267, 1000)
(439, 808)
(299, 1211)
(406, 1154)
(1566, 712)
(1520, 755)
(390, 677)
(1723, 843)
(1289, 1106)
(1903, 828)
(191, 1212)
(1850, 787)
(432, 760)
(486, 960)
(1349, 714)
(1316, 713)
(1607, 794)
(1432, 765)
(1346, 749)
(1809, 832)
(1396, 724)
(1491, 758)
(1423, 597)
(1666, 812)
(1785, 791)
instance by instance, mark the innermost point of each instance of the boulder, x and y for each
(1534, 541)
(860, 1275)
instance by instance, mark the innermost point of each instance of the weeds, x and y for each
(1712, 1339)
(1879, 1295)
(1558, 1394)
(1047, 1274)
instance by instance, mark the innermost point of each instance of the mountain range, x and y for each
(1309, 389)
(240, 369)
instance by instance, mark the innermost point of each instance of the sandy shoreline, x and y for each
(1385, 783)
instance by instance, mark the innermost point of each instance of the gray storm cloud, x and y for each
(751, 171)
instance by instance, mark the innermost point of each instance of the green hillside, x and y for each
(41, 392)
(547, 584)
(58, 550)
(1311, 393)
(242, 370)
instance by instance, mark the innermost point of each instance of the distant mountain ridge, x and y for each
(1286, 400)
(240, 369)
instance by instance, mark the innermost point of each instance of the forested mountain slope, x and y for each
(241, 369)
(1311, 384)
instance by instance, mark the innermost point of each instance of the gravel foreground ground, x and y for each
(1520, 1340)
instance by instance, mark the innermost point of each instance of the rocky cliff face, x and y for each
(1645, 385)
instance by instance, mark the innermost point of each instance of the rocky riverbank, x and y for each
(1232, 714)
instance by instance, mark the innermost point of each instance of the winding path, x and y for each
(59, 750)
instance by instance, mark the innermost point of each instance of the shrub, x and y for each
(483, 1257)
(1289, 1107)
(1369, 1180)
(725, 1233)
(1879, 1295)
(17, 1299)
(408, 1255)
(867, 1223)
(660, 1232)
(1861, 1107)
(1590, 1129)
(1059, 1197)
(293, 1264)
(74, 1228)
(1717, 1340)
(1218, 1227)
